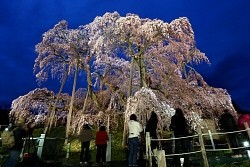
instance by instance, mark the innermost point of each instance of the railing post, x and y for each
(40, 145)
(161, 160)
(173, 142)
(211, 139)
(203, 150)
(148, 149)
(68, 150)
(108, 152)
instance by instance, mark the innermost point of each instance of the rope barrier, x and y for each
(222, 133)
(226, 149)
(199, 145)
(193, 152)
(174, 138)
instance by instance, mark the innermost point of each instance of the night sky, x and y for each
(221, 30)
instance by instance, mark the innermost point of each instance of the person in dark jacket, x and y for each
(227, 123)
(151, 127)
(85, 136)
(180, 127)
(20, 132)
(101, 144)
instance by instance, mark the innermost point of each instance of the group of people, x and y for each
(178, 125)
(20, 131)
(101, 139)
(182, 134)
(134, 133)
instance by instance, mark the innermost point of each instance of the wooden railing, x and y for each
(161, 155)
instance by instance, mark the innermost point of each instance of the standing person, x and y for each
(30, 128)
(134, 128)
(85, 136)
(101, 144)
(151, 127)
(180, 127)
(20, 132)
(227, 123)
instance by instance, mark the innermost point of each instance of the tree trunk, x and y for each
(129, 94)
(143, 69)
(85, 102)
(89, 80)
(140, 71)
(125, 129)
(69, 117)
(131, 76)
(90, 90)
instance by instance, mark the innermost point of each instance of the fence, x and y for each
(161, 155)
(43, 144)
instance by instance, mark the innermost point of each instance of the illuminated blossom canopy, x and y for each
(130, 52)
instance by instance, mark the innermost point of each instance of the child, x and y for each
(101, 143)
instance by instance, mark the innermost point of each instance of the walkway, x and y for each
(70, 164)
(194, 162)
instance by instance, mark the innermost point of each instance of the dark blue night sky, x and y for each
(221, 30)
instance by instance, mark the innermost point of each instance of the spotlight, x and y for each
(246, 144)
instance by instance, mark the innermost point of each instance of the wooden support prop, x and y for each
(211, 139)
(108, 152)
(148, 149)
(40, 145)
(68, 150)
(161, 159)
(203, 150)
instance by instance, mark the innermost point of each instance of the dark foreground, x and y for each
(194, 162)
(68, 164)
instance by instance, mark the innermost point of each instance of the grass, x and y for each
(236, 164)
(54, 149)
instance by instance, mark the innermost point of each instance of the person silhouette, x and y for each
(180, 127)
(85, 136)
(227, 123)
(151, 127)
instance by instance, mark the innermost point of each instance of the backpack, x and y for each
(8, 139)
